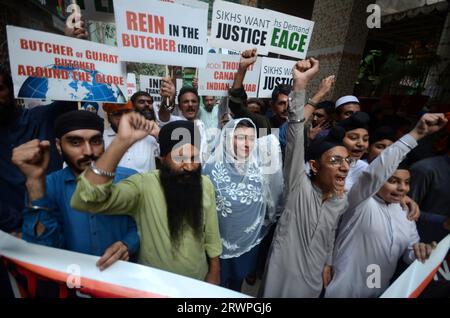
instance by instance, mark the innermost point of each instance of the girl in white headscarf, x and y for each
(247, 175)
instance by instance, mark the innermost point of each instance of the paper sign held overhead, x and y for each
(56, 67)
(273, 73)
(151, 85)
(150, 31)
(290, 35)
(239, 27)
(218, 76)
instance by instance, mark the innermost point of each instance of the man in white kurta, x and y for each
(140, 156)
(373, 234)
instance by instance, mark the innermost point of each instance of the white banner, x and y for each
(122, 279)
(291, 35)
(150, 31)
(50, 66)
(274, 72)
(151, 85)
(218, 76)
(418, 275)
(239, 27)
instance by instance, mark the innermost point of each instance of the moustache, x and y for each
(86, 159)
(148, 114)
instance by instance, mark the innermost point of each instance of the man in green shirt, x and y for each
(174, 208)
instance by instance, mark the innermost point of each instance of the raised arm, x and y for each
(167, 92)
(384, 166)
(238, 96)
(294, 163)
(95, 192)
(40, 214)
(132, 128)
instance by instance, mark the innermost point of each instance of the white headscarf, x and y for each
(248, 193)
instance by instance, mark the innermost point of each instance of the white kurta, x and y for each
(140, 156)
(354, 173)
(204, 152)
(304, 237)
(372, 232)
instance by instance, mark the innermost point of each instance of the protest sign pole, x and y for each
(167, 74)
(74, 2)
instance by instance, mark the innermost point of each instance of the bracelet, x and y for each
(296, 121)
(312, 103)
(168, 108)
(38, 207)
(100, 172)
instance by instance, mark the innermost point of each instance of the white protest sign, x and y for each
(291, 35)
(150, 31)
(50, 66)
(274, 72)
(218, 76)
(190, 3)
(239, 27)
(131, 84)
(151, 85)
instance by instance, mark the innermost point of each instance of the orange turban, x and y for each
(111, 108)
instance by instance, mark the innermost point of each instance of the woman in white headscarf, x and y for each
(247, 175)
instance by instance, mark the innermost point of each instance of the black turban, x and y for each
(178, 133)
(382, 133)
(355, 121)
(322, 144)
(77, 119)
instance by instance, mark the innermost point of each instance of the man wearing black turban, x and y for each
(175, 208)
(48, 218)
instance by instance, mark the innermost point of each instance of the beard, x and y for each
(209, 108)
(184, 198)
(148, 114)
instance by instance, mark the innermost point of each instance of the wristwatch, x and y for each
(100, 172)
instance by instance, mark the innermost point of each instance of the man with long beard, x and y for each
(175, 208)
(48, 218)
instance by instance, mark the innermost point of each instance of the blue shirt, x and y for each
(74, 230)
(28, 124)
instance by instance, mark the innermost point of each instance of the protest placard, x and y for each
(150, 31)
(151, 85)
(131, 84)
(50, 66)
(273, 73)
(239, 27)
(290, 35)
(218, 76)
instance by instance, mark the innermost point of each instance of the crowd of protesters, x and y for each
(304, 196)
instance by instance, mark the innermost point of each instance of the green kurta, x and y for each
(141, 196)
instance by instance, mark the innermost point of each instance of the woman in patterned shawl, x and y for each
(247, 175)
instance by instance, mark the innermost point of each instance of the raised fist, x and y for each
(32, 158)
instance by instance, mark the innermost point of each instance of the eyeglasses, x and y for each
(337, 161)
